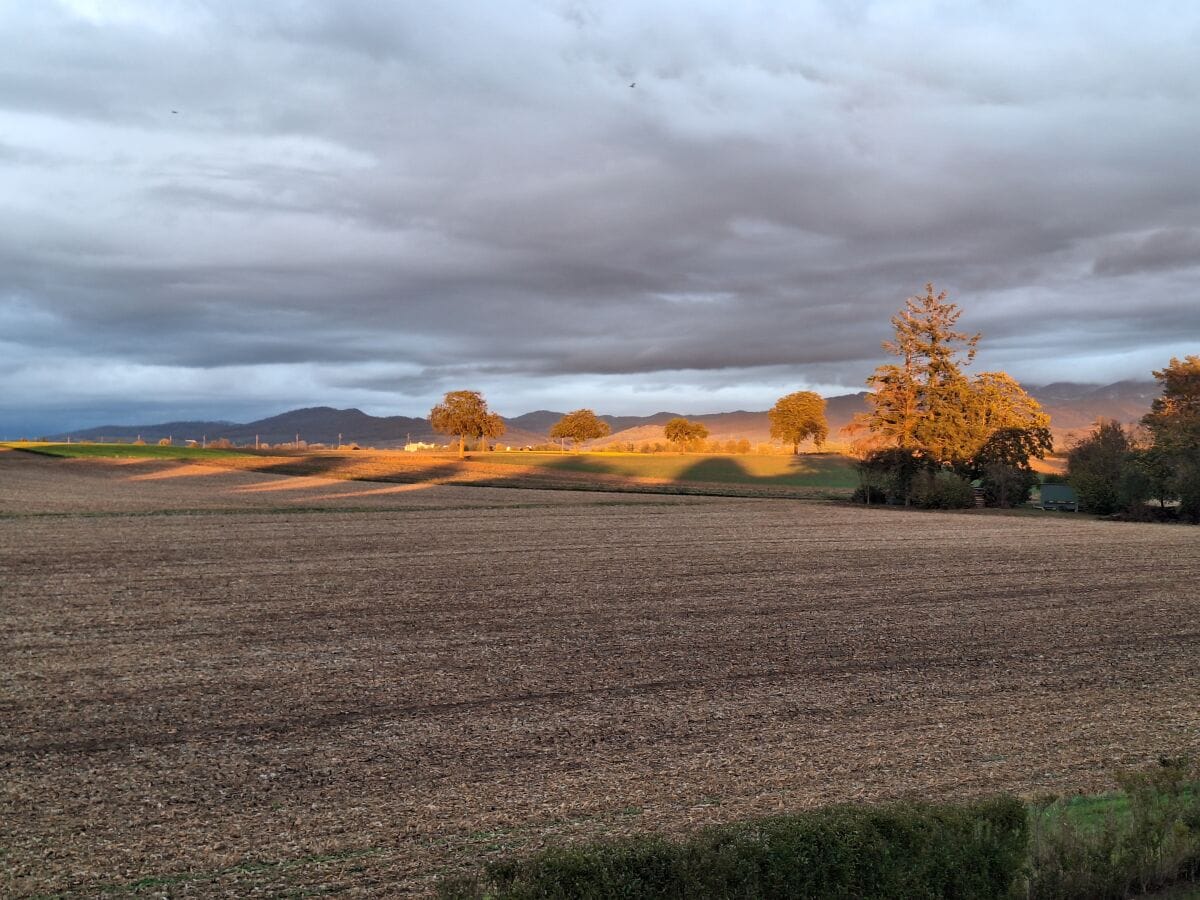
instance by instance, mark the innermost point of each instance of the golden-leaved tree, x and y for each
(684, 433)
(466, 415)
(1174, 417)
(797, 417)
(580, 425)
(926, 404)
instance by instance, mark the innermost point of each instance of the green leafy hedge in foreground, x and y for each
(898, 851)
(1073, 848)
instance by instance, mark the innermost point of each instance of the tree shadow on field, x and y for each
(584, 464)
(722, 470)
(823, 469)
(366, 467)
(760, 476)
(807, 470)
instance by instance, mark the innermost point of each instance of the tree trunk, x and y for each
(462, 446)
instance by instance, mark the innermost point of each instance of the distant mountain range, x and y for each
(1072, 408)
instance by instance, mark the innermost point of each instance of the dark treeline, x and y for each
(1152, 472)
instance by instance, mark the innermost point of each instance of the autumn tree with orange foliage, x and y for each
(797, 417)
(466, 415)
(925, 405)
(683, 433)
(1174, 417)
(580, 425)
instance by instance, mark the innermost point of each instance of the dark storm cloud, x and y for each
(1171, 248)
(286, 203)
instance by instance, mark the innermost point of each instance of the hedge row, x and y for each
(1122, 845)
(898, 851)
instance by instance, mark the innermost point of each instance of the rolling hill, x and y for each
(1072, 407)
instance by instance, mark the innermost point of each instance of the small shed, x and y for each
(1058, 496)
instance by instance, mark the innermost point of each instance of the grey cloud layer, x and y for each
(457, 194)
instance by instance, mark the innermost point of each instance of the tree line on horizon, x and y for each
(795, 418)
(931, 431)
(924, 414)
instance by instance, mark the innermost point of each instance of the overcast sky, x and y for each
(228, 209)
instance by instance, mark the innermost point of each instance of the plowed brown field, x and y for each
(240, 683)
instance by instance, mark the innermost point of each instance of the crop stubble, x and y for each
(366, 698)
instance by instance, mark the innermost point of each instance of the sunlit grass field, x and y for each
(818, 470)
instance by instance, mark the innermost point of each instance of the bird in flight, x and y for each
(174, 112)
(633, 84)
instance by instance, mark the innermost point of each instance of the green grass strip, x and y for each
(123, 451)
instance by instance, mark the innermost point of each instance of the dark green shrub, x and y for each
(897, 851)
(1187, 486)
(869, 494)
(891, 471)
(1006, 486)
(941, 490)
(641, 867)
(1148, 474)
(1011, 448)
(1095, 466)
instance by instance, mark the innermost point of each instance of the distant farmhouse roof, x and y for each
(1058, 496)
